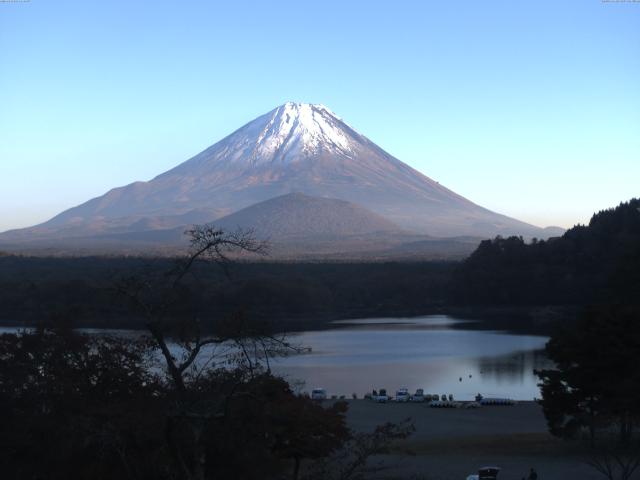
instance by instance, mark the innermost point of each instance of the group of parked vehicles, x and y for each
(403, 395)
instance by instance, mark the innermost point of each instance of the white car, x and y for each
(402, 395)
(318, 394)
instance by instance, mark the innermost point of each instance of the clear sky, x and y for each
(529, 108)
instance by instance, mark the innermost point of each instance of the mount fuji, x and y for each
(295, 148)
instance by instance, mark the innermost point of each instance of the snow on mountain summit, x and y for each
(286, 134)
(302, 128)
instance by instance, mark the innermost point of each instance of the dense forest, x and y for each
(32, 289)
(597, 263)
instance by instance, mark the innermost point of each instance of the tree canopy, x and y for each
(598, 263)
(595, 386)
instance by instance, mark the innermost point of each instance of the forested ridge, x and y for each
(596, 263)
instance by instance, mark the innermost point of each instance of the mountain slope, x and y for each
(303, 216)
(294, 148)
(296, 227)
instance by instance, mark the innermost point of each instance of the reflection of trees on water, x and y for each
(513, 368)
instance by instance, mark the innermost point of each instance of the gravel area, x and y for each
(450, 444)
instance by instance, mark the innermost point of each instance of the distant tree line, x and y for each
(588, 264)
(294, 295)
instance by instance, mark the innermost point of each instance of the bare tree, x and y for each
(352, 462)
(164, 300)
(157, 293)
(613, 460)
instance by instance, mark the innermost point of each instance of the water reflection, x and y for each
(513, 369)
(425, 352)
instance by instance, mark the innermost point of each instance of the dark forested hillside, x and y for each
(598, 263)
(32, 289)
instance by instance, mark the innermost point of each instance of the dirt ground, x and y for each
(450, 444)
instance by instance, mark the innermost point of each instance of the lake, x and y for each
(433, 352)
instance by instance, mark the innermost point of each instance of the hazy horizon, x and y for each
(528, 114)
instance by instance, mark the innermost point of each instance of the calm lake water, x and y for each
(434, 352)
(423, 352)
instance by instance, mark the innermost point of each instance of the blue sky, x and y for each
(531, 109)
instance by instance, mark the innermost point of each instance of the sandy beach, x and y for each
(450, 444)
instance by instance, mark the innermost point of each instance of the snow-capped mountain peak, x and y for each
(290, 133)
(301, 128)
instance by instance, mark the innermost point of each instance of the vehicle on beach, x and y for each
(318, 394)
(418, 396)
(485, 473)
(402, 395)
(382, 396)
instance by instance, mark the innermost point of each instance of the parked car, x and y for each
(485, 473)
(318, 394)
(418, 396)
(382, 396)
(402, 395)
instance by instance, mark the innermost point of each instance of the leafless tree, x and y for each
(246, 343)
(156, 293)
(353, 461)
(613, 461)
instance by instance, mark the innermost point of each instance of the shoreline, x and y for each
(528, 320)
